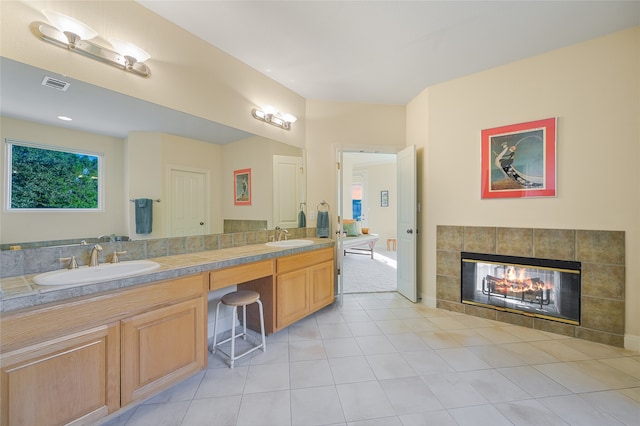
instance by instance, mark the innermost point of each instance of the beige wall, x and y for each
(351, 126)
(382, 220)
(38, 226)
(593, 89)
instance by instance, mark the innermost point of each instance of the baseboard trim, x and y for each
(632, 342)
(428, 301)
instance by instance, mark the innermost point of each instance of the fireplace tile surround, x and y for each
(602, 254)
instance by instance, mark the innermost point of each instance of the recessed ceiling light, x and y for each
(64, 118)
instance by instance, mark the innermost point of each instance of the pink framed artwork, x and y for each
(242, 187)
(519, 160)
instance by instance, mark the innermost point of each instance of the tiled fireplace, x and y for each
(586, 267)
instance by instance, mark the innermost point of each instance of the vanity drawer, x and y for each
(239, 274)
(303, 260)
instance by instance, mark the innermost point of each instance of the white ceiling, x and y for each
(389, 51)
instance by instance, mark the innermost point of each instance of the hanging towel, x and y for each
(144, 215)
(302, 219)
(322, 225)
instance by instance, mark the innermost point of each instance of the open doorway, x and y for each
(369, 212)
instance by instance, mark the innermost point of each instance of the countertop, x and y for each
(21, 292)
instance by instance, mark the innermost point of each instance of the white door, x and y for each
(340, 210)
(188, 209)
(287, 180)
(407, 223)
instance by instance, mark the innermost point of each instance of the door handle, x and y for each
(409, 231)
(201, 223)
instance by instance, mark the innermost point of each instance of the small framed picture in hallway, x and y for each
(242, 187)
(384, 198)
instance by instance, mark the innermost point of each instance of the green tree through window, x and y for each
(50, 179)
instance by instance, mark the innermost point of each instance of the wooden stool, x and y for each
(235, 299)
(391, 242)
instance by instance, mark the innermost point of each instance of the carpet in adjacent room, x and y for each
(363, 274)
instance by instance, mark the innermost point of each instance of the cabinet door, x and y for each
(63, 379)
(321, 285)
(292, 297)
(162, 347)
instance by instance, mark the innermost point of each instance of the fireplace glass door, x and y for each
(542, 288)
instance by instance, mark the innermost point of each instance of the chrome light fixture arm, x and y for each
(72, 42)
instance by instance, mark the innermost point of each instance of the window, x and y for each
(356, 200)
(45, 177)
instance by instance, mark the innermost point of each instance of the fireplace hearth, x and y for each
(542, 288)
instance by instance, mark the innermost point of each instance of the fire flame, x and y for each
(518, 280)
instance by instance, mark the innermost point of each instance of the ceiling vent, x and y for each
(56, 84)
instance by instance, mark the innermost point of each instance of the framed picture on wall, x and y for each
(242, 187)
(384, 198)
(519, 160)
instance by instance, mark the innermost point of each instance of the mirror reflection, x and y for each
(184, 164)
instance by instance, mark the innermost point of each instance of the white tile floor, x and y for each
(377, 359)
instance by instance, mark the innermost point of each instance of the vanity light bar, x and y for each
(278, 119)
(73, 43)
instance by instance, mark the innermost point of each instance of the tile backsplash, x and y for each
(46, 256)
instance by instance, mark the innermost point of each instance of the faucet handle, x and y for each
(73, 263)
(115, 258)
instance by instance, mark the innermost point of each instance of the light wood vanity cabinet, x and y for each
(304, 284)
(162, 346)
(321, 287)
(290, 287)
(63, 379)
(292, 297)
(84, 359)
(80, 360)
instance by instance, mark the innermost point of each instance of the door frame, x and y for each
(339, 151)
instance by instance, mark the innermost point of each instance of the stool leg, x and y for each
(244, 322)
(233, 335)
(215, 329)
(264, 342)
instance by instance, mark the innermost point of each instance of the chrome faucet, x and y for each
(73, 263)
(281, 232)
(95, 250)
(116, 256)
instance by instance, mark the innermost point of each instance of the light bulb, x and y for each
(67, 24)
(126, 48)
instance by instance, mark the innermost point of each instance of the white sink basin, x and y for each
(289, 243)
(103, 272)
